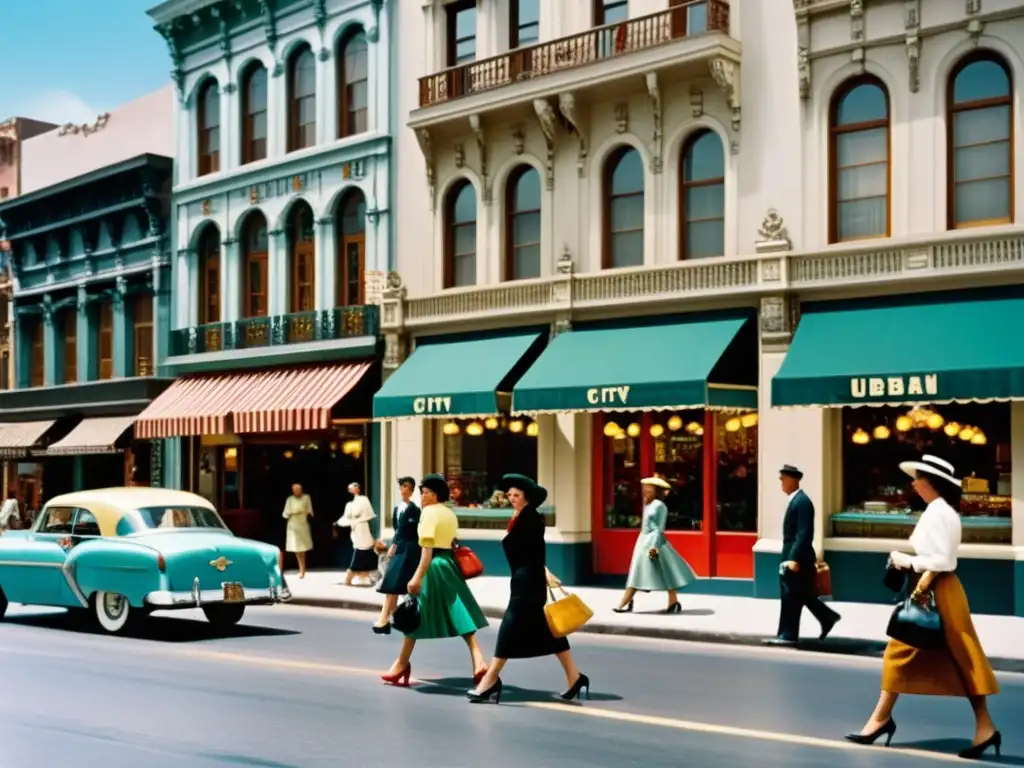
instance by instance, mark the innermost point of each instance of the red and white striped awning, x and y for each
(297, 399)
(284, 400)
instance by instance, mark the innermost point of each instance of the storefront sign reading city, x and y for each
(427, 405)
(870, 387)
(608, 395)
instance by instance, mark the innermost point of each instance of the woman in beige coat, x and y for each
(297, 511)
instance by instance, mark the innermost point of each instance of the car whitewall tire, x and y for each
(113, 611)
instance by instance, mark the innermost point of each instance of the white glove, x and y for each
(901, 560)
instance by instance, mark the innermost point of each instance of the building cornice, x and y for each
(173, 9)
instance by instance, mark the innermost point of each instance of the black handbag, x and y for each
(406, 617)
(916, 625)
(895, 579)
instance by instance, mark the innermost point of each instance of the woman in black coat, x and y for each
(524, 632)
(404, 554)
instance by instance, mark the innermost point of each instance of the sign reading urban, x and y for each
(608, 395)
(867, 387)
(422, 405)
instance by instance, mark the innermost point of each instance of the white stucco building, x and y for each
(283, 238)
(623, 219)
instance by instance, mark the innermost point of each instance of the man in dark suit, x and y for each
(796, 574)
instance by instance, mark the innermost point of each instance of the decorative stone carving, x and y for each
(621, 117)
(857, 20)
(773, 234)
(914, 62)
(177, 70)
(85, 129)
(727, 76)
(270, 32)
(519, 139)
(320, 19)
(567, 106)
(696, 101)
(47, 307)
(426, 147)
(460, 156)
(565, 264)
(803, 66)
(975, 27)
(973, 7)
(912, 14)
(779, 317)
(476, 125)
(394, 283)
(373, 33)
(657, 139)
(548, 125)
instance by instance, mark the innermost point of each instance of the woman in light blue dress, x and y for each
(656, 566)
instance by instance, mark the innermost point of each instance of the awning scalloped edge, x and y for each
(903, 403)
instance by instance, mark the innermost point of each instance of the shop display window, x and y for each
(671, 444)
(477, 452)
(878, 500)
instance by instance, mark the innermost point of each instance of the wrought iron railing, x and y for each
(598, 44)
(277, 330)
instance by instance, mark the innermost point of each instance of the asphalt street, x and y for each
(297, 687)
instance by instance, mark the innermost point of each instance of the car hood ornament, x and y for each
(221, 563)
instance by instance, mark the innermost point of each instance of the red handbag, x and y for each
(468, 563)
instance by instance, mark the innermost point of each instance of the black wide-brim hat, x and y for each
(791, 471)
(535, 494)
(436, 483)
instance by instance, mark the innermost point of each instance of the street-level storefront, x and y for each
(589, 413)
(69, 438)
(675, 397)
(895, 378)
(244, 438)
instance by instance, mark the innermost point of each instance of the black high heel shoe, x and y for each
(582, 683)
(485, 696)
(385, 630)
(674, 608)
(976, 751)
(887, 729)
(627, 608)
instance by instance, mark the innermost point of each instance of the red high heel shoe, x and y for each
(478, 676)
(400, 680)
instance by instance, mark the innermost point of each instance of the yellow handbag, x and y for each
(567, 614)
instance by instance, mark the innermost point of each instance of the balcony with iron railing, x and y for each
(253, 333)
(956, 259)
(675, 38)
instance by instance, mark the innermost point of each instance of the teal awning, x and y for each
(931, 349)
(454, 378)
(638, 367)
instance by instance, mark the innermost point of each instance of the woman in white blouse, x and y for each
(961, 668)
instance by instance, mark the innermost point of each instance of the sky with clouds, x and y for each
(67, 61)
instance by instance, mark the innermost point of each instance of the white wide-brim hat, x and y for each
(657, 482)
(931, 465)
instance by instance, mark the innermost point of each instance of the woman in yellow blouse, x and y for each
(446, 603)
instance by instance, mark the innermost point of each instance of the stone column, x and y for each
(88, 359)
(326, 263)
(161, 318)
(230, 146)
(121, 344)
(277, 269)
(231, 281)
(51, 353)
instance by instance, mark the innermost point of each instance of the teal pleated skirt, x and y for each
(447, 605)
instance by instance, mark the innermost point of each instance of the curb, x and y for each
(839, 646)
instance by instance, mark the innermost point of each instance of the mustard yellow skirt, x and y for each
(959, 669)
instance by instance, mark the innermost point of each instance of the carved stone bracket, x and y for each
(621, 117)
(772, 234)
(548, 125)
(696, 101)
(460, 156)
(657, 140)
(519, 139)
(476, 125)
(320, 19)
(373, 34)
(267, 10)
(177, 70)
(914, 61)
(973, 7)
(857, 20)
(567, 106)
(779, 318)
(427, 148)
(803, 54)
(727, 76)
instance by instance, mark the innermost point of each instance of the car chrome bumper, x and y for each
(197, 598)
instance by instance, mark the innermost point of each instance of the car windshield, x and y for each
(156, 518)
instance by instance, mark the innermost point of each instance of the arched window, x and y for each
(302, 246)
(702, 196)
(208, 127)
(460, 236)
(255, 289)
(302, 99)
(351, 237)
(209, 275)
(859, 161)
(522, 224)
(980, 125)
(254, 113)
(353, 85)
(623, 209)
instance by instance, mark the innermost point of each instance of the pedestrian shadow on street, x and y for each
(457, 686)
(952, 746)
(159, 628)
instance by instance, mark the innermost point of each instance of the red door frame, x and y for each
(708, 551)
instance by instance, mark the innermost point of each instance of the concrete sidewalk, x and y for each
(705, 618)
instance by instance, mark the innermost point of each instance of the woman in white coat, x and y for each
(358, 514)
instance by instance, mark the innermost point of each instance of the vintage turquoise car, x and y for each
(121, 553)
